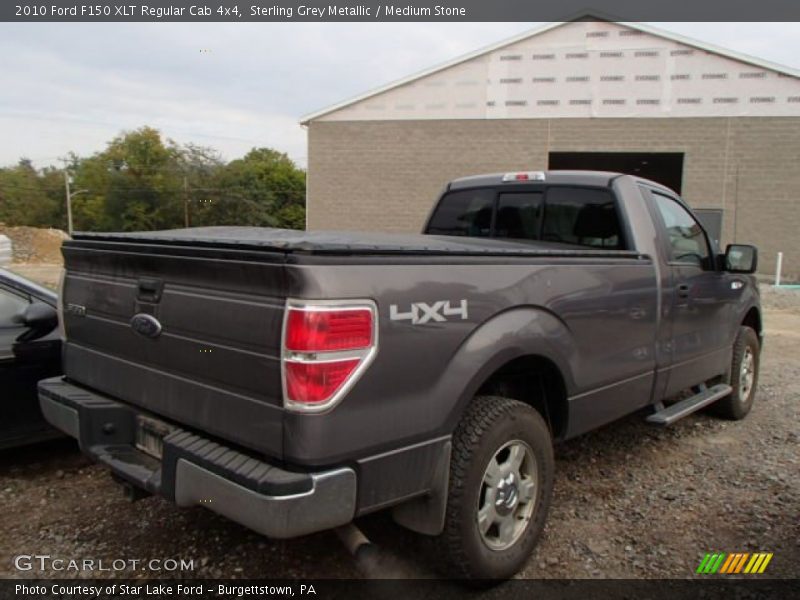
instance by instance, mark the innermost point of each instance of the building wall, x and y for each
(385, 175)
(585, 69)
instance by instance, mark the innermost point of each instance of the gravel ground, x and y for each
(631, 501)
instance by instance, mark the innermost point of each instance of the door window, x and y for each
(687, 240)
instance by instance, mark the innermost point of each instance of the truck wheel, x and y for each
(744, 377)
(501, 481)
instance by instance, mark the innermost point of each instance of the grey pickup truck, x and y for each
(293, 381)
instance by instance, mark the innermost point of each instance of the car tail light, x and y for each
(326, 347)
(311, 383)
(326, 330)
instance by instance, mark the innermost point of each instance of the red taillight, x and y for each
(326, 330)
(325, 348)
(521, 177)
(312, 383)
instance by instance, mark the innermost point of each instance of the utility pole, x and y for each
(186, 219)
(69, 203)
(70, 195)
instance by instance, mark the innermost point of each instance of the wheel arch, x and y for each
(502, 348)
(537, 381)
(525, 354)
(752, 319)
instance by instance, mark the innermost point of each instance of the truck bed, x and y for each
(220, 292)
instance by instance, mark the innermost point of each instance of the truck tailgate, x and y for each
(214, 362)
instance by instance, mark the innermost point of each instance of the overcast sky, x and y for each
(72, 87)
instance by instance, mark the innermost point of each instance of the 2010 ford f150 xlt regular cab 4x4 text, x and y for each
(293, 381)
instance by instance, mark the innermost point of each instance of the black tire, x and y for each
(488, 424)
(738, 404)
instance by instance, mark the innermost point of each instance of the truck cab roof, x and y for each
(583, 178)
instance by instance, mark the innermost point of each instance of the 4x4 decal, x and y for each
(422, 312)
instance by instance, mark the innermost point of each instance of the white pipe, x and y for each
(778, 268)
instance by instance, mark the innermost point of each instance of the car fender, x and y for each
(521, 331)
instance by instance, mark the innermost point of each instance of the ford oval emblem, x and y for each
(146, 325)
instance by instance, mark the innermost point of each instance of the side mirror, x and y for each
(741, 258)
(40, 319)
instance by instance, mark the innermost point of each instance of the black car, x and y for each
(30, 350)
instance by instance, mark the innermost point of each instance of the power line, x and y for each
(119, 190)
(28, 188)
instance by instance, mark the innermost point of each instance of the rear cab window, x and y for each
(464, 213)
(519, 215)
(577, 216)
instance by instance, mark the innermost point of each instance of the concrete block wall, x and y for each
(386, 175)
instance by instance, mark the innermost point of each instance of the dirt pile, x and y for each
(35, 245)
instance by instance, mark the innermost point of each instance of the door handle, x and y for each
(683, 290)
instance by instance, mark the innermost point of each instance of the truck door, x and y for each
(697, 310)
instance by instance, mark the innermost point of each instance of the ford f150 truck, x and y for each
(293, 381)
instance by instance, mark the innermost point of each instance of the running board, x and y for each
(667, 416)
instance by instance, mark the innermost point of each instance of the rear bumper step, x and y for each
(674, 412)
(195, 471)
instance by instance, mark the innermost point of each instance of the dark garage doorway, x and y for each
(664, 167)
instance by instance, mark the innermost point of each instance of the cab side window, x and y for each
(687, 240)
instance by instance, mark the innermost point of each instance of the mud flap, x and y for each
(426, 514)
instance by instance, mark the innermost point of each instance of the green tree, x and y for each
(264, 188)
(28, 197)
(138, 179)
(142, 181)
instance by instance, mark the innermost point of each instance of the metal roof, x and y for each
(745, 58)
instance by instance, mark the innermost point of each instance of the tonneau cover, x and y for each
(343, 242)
